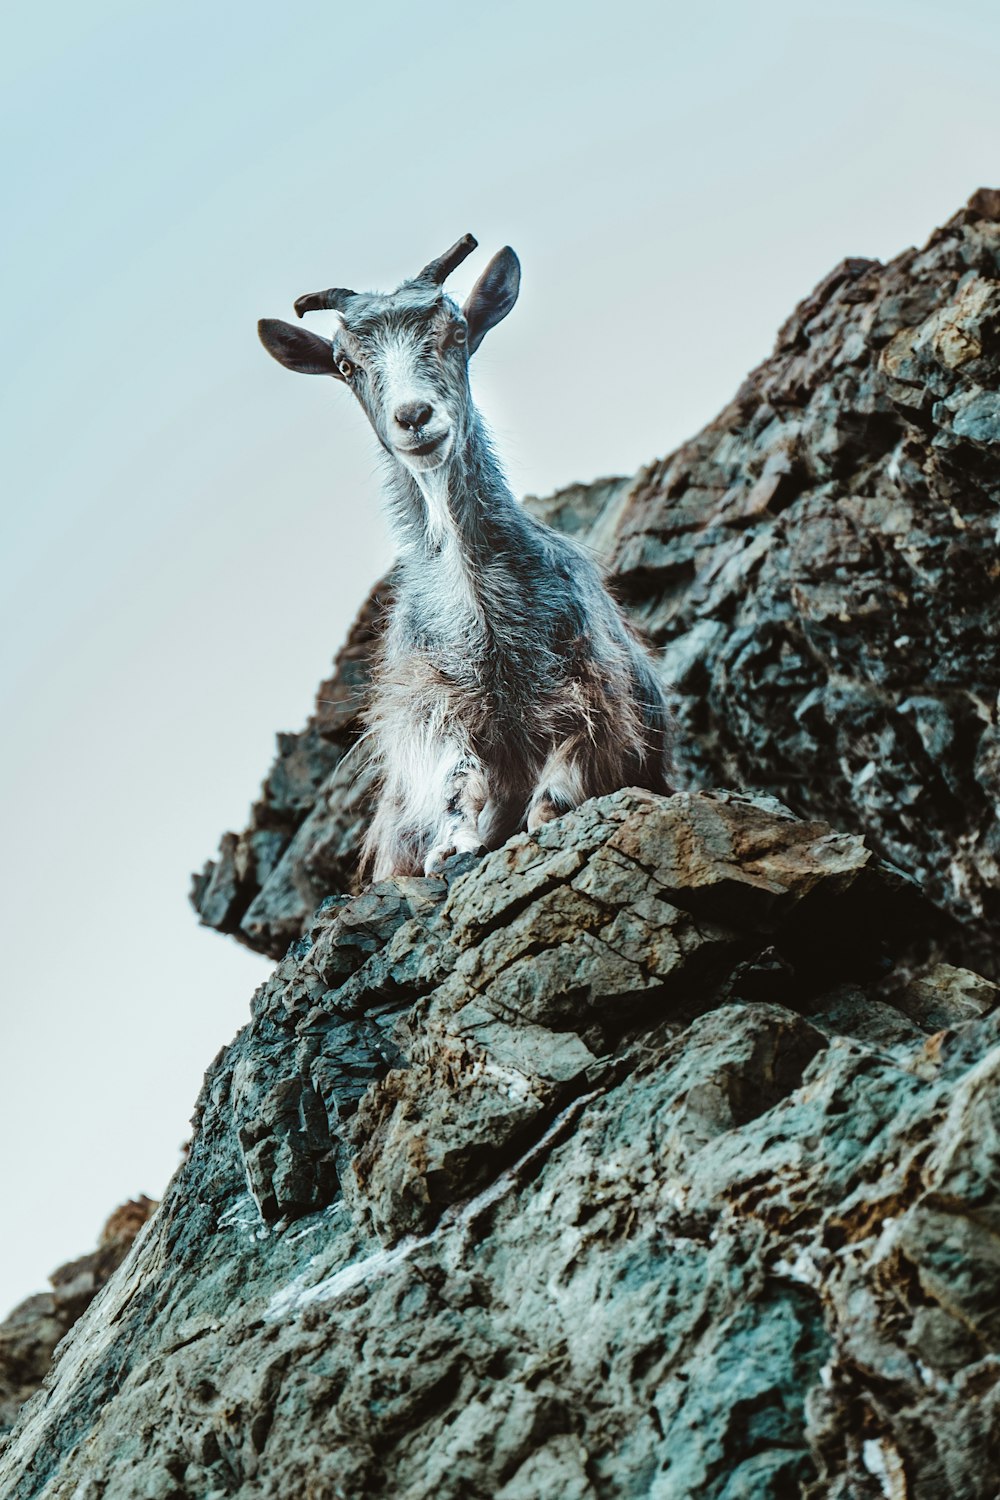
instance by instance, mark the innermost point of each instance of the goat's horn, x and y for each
(320, 301)
(436, 271)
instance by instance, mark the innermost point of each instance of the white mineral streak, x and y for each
(884, 1463)
(802, 1269)
(241, 1214)
(294, 1297)
(315, 1224)
(514, 1084)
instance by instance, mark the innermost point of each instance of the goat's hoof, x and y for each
(442, 853)
(437, 857)
(544, 810)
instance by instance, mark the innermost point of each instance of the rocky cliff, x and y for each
(29, 1335)
(819, 570)
(654, 1154)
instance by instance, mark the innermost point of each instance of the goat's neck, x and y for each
(462, 513)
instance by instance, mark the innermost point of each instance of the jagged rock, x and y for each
(31, 1332)
(307, 825)
(819, 568)
(655, 1154)
(626, 1161)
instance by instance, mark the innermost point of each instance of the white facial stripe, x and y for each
(403, 381)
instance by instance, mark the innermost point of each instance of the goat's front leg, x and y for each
(462, 795)
(433, 790)
(561, 785)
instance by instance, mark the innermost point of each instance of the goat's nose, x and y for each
(414, 414)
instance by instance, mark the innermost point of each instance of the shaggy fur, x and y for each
(510, 687)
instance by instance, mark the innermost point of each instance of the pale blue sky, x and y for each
(187, 529)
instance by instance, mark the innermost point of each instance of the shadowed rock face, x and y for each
(819, 567)
(625, 1162)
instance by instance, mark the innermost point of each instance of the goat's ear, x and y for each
(297, 348)
(493, 296)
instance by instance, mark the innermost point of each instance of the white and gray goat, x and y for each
(509, 688)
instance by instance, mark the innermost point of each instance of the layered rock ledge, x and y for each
(631, 1160)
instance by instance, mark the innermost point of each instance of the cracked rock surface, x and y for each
(818, 568)
(629, 1161)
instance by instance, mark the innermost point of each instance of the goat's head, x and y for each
(404, 354)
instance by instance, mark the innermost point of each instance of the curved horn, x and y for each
(335, 297)
(436, 270)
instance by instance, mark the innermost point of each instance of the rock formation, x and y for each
(623, 1163)
(29, 1335)
(819, 567)
(653, 1154)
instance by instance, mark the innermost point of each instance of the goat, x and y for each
(510, 687)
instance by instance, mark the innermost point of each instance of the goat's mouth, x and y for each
(425, 449)
(421, 450)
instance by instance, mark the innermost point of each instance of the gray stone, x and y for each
(624, 1162)
(29, 1335)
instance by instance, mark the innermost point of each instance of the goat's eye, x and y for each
(346, 368)
(458, 336)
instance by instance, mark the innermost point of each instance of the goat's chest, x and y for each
(476, 656)
(489, 692)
